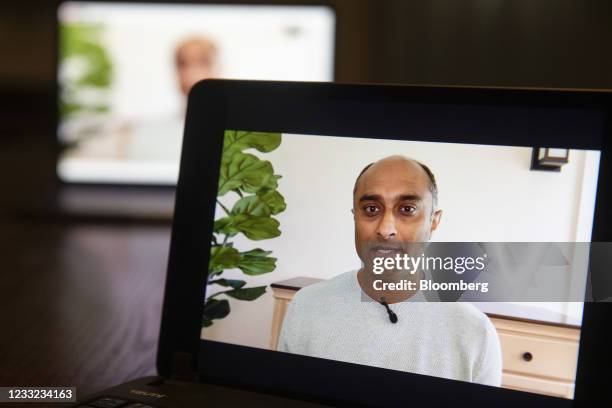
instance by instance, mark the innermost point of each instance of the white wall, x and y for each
(487, 194)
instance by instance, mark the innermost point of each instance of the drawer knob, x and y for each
(527, 356)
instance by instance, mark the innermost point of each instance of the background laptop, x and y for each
(224, 331)
(124, 70)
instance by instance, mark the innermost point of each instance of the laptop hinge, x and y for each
(183, 368)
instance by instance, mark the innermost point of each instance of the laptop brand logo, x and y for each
(147, 394)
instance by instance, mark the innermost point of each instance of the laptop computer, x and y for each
(285, 191)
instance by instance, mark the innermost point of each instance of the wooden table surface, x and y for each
(81, 302)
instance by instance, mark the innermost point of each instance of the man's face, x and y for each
(392, 207)
(195, 60)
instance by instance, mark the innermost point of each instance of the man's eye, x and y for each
(370, 209)
(408, 209)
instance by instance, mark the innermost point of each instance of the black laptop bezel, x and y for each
(340, 109)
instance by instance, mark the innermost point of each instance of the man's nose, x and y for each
(386, 228)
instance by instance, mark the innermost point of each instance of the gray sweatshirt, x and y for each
(332, 320)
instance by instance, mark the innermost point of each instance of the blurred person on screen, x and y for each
(195, 59)
(156, 139)
(345, 319)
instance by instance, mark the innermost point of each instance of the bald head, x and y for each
(391, 164)
(394, 203)
(195, 59)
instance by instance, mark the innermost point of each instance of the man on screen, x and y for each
(196, 58)
(347, 319)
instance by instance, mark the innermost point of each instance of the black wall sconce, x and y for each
(548, 159)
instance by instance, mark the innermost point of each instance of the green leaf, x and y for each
(256, 262)
(270, 184)
(236, 140)
(255, 228)
(223, 257)
(226, 225)
(214, 309)
(244, 171)
(80, 44)
(246, 293)
(232, 283)
(263, 204)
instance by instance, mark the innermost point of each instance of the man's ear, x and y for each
(435, 220)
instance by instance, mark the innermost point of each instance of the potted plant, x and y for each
(255, 184)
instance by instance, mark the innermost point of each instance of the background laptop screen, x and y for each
(296, 213)
(125, 69)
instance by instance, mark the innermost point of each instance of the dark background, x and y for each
(81, 297)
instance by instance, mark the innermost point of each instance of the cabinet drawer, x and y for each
(538, 385)
(539, 356)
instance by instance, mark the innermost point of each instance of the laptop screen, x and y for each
(125, 70)
(461, 261)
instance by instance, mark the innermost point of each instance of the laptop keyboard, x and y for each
(108, 402)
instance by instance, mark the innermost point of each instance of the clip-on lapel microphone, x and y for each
(391, 313)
